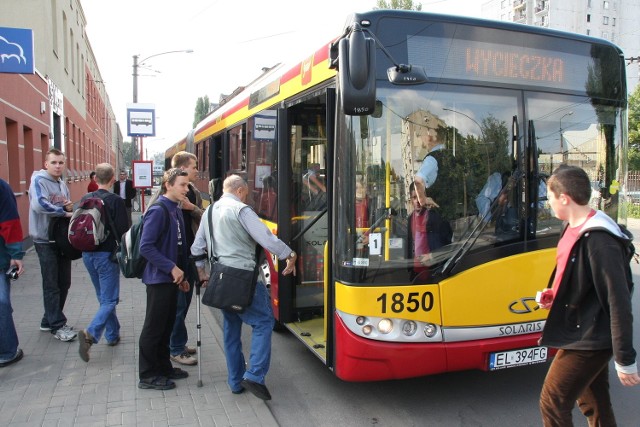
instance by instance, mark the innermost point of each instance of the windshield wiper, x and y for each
(516, 175)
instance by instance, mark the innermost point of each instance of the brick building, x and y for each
(63, 104)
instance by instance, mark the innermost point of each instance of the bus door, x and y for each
(216, 168)
(308, 157)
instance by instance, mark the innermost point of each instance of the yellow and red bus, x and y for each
(331, 145)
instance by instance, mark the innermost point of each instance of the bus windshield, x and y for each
(474, 192)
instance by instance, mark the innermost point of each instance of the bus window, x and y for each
(261, 163)
(453, 141)
(237, 150)
(578, 131)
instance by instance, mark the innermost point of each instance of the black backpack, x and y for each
(131, 263)
(59, 237)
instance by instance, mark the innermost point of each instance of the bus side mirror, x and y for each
(357, 74)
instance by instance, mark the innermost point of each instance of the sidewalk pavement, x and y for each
(52, 386)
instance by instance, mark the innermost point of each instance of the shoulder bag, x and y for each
(230, 288)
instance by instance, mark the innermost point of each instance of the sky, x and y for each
(231, 42)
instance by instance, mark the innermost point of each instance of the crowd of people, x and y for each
(599, 284)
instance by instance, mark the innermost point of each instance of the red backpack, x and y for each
(90, 224)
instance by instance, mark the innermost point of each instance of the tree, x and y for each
(129, 154)
(634, 120)
(398, 4)
(202, 109)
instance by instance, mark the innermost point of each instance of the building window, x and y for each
(605, 5)
(588, 32)
(54, 25)
(588, 18)
(589, 3)
(613, 22)
(605, 35)
(65, 34)
(605, 20)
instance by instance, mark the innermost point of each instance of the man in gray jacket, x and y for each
(49, 197)
(236, 232)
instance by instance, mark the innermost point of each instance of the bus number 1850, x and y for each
(398, 302)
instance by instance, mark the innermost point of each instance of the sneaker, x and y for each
(185, 359)
(45, 328)
(177, 374)
(190, 350)
(114, 342)
(156, 383)
(86, 341)
(65, 333)
(15, 359)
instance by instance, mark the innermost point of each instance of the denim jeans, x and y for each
(260, 317)
(105, 276)
(8, 336)
(56, 281)
(580, 376)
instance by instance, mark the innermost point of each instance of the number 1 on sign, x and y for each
(375, 243)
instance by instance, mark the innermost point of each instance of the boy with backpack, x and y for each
(110, 222)
(166, 251)
(590, 318)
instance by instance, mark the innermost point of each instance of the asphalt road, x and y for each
(306, 393)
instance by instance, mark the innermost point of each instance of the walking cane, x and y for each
(198, 327)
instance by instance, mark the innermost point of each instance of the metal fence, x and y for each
(633, 181)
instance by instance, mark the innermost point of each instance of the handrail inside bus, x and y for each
(387, 214)
(305, 229)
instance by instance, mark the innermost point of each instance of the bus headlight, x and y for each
(430, 330)
(385, 326)
(390, 329)
(409, 328)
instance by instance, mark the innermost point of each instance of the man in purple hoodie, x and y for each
(163, 243)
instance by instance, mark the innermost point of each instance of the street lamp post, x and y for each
(562, 150)
(136, 64)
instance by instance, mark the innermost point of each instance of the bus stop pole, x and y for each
(142, 192)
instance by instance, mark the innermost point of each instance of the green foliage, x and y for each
(634, 123)
(633, 210)
(634, 159)
(202, 109)
(398, 4)
(129, 154)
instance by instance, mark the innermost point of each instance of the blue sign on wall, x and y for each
(16, 50)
